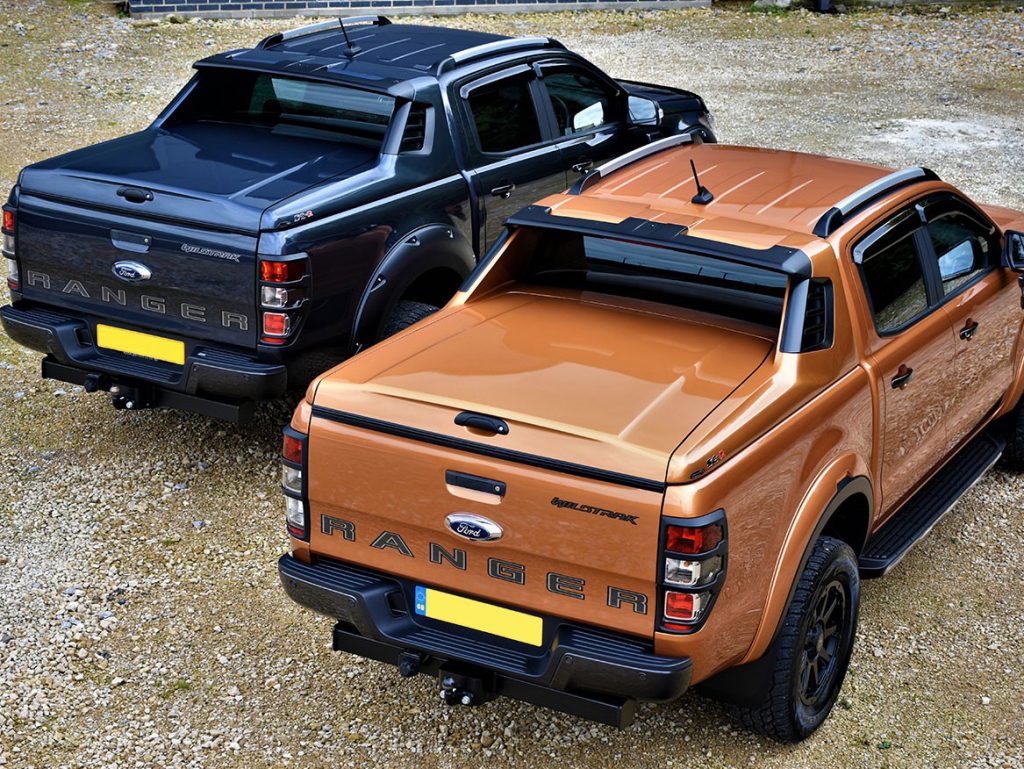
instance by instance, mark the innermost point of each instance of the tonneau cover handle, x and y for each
(134, 194)
(482, 422)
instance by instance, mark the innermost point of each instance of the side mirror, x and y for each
(643, 111)
(1013, 256)
(958, 261)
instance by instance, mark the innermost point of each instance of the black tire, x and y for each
(1013, 454)
(797, 701)
(405, 314)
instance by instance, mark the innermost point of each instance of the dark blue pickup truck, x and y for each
(300, 200)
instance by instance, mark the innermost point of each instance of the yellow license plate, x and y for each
(477, 615)
(136, 343)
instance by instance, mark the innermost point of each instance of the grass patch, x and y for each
(176, 686)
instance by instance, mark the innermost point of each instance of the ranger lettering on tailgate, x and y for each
(497, 568)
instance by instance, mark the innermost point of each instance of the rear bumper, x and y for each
(210, 375)
(585, 671)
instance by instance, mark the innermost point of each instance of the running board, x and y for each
(936, 498)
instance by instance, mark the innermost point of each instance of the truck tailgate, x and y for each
(571, 546)
(201, 281)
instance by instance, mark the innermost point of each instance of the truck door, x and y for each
(589, 113)
(982, 302)
(513, 157)
(911, 349)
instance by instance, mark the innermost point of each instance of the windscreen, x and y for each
(622, 268)
(285, 104)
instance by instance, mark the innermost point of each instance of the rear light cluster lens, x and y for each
(276, 324)
(282, 293)
(294, 447)
(693, 571)
(685, 607)
(291, 479)
(272, 296)
(13, 278)
(295, 514)
(9, 249)
(272, 271)
(293, 460)
(693, 539)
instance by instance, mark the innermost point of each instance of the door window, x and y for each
(580, 101)
(505, 115)
(964, 247)
(893, 275)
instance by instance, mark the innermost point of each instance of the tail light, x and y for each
(293, 483)
(692, 570)
(9, 249)
(283, 288)
(684, 607)
(278, 324)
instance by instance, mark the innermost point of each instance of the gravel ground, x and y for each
(141, 623)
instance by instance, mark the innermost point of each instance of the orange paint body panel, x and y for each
(347, 476)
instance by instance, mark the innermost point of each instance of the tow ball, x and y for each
(462, 689)
(130, 398)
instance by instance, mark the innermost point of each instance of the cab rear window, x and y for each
(668, 276)
(286, 104)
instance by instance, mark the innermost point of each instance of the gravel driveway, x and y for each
(141, 623)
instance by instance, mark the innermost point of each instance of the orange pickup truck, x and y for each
(661, 434)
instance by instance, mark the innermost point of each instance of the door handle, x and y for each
(582, 165)
(968, 331)
(503, 191)
(903, 376)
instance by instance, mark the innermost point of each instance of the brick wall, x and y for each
(222, 9)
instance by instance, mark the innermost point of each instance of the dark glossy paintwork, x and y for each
(187, 296)
(361, 218)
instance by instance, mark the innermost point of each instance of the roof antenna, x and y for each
(350, 50)
(703, 196)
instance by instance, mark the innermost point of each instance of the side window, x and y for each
(580, 101)
(964, 246)
(505, 116)
(893, 275)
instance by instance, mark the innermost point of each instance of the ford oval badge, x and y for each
(131, 272)
(473, 527)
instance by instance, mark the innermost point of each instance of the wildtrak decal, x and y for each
(564, 503)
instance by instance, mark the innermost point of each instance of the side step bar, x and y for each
(936, 498)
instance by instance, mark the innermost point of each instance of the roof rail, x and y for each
(834, 218)
(495, 47)
(631, 157)
(322, 26)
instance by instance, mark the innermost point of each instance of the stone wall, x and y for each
(233, 9)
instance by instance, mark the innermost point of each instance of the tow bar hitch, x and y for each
(131, 398)
(459, 688)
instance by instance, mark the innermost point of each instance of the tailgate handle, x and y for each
(474, 482)
(130, 241)
(134, 194)
(482, 422)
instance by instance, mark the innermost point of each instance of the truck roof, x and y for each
(382, 53)
(768, 204)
